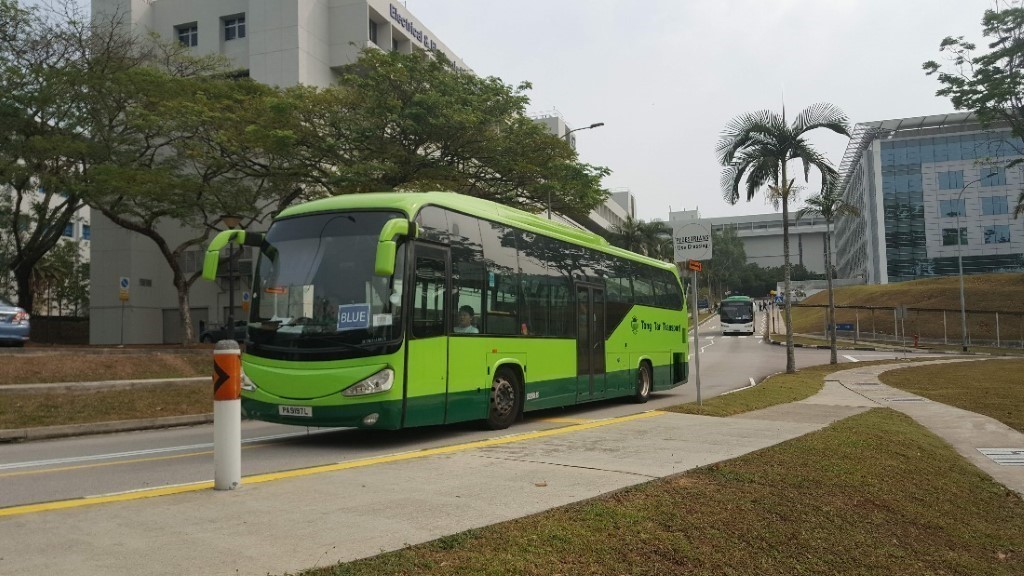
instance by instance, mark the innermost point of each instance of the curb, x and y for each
(824, 346)
(102, 385)
(44, 432)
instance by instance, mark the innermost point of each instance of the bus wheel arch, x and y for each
(506, 399)
(644, 382)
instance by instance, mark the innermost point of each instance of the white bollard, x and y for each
(227, 416)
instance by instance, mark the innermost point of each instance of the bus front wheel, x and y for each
(505, 391)
(643, 383)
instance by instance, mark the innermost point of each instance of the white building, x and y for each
(762, 238)
(929, 189)
(621, 204)
(277, 42)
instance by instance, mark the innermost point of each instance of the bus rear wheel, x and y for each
(504, 407)
(643, 383)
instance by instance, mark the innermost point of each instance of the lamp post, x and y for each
(231, 222)
(566, 138)
(960, 260)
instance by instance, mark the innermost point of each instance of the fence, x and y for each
(59, 330)
(901, 324)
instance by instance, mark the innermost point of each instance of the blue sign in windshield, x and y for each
(353, 317)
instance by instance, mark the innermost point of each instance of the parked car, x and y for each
(14, 326)
(221, 332)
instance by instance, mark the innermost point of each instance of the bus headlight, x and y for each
(379, 382)
(247, 384)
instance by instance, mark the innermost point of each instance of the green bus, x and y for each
(390, 310)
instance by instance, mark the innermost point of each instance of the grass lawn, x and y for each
(25, 410)
(55, 408)
(868, 495)
(994, 388)
(69, 367)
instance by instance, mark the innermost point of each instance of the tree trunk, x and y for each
(185, 311)
(831, 296)
(790, 352)
(23, 279)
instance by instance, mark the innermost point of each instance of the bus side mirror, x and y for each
(387, 247)
(212, 257)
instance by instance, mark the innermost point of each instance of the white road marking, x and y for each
(115, 455)
(850, 358)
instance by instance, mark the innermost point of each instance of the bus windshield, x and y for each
(736, 312)
(316, 295)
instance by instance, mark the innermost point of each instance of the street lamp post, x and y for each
(231, 222)
(566, 138)
(960, 261)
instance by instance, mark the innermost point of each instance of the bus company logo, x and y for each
(635, 325)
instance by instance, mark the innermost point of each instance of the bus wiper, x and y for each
(333, 340)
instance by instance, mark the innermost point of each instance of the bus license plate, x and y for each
(304, 411)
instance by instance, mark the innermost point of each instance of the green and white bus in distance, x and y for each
(391, 310)
(737, 315)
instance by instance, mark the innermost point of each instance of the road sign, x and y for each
(695, 265)
(246, 297)
(124, 284)
(692, 241)
(779, 299)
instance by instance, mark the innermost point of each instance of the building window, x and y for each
(952, 208)
(69, 230)
(994, 206)
(998, 234)
(949, 237)
(394, 45)
(373, 31)
(188, 34)
(952, 180)
(993, 177)
(86, 232)
(145, 283)
(234, 27)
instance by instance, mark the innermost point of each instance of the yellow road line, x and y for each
(567, 420)
(260, 478)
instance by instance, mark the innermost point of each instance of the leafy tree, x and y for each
(61, 280)
(830, 205)
(413, 122)
(990, 84)
(41, 139)
(727, 263)
(178, 156)
(756, 148)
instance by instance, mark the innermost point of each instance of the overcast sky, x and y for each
(665, 76)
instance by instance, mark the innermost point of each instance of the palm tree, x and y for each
(629, 235)
(757, 147)
(657, 239)
(1020, 206)
(830, 205)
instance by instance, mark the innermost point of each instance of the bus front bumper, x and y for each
(383, 415)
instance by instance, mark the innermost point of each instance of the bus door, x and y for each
(590, 332)
(426, 366)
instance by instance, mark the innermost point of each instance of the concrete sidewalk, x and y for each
(316, 520)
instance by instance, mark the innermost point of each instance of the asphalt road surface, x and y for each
(85, 466)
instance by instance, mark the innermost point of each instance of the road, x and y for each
(108, 464)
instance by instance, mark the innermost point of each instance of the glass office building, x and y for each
(930, 189)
